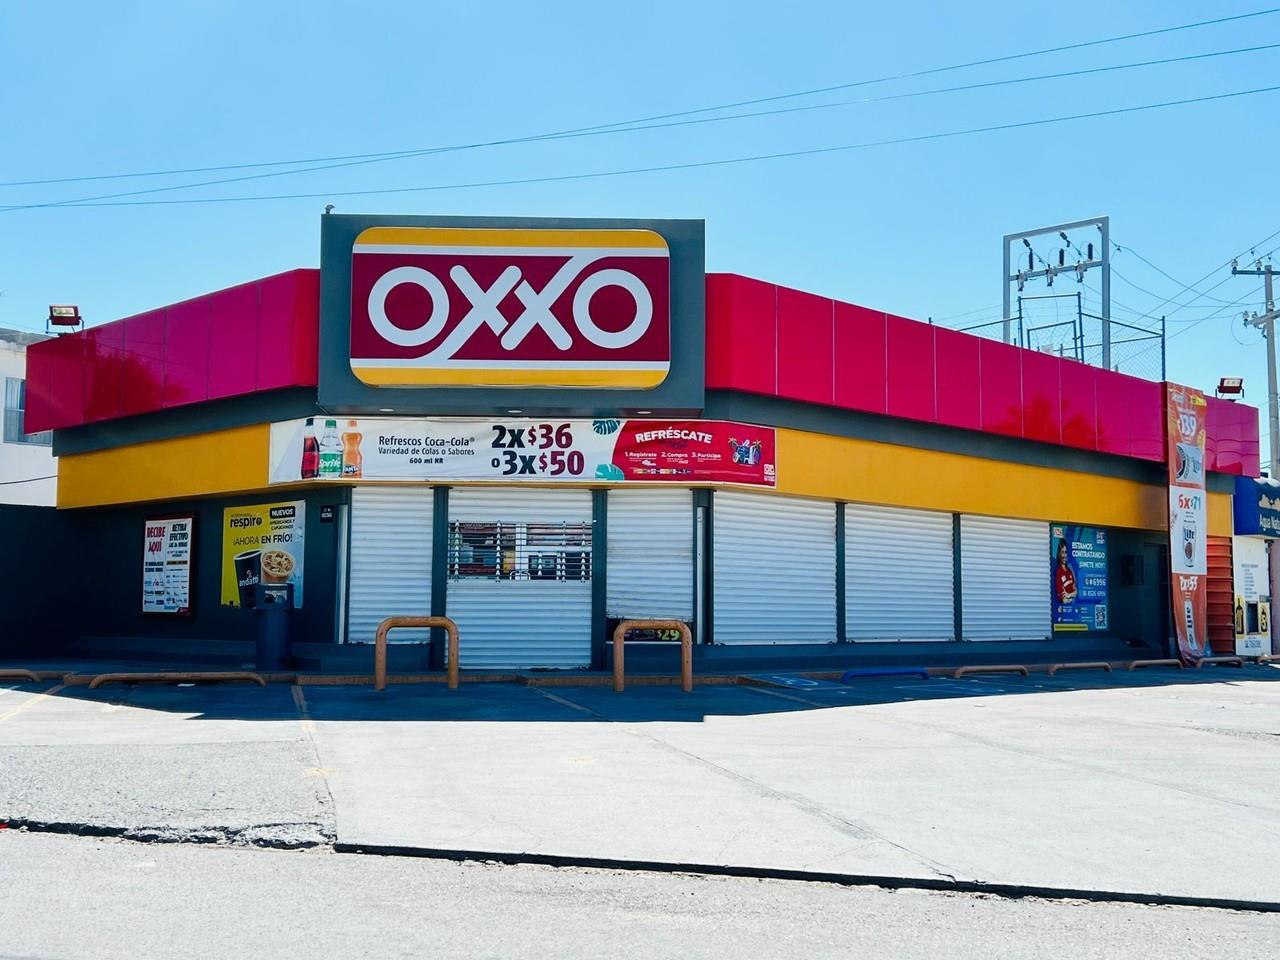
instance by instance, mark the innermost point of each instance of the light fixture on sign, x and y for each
(386, 410)
(63, 315)
(515, 411)
(643, 413)
(1230, 386)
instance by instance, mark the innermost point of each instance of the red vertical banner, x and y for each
(1188, 517)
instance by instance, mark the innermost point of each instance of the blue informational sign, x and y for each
(1078, 578)
(1257, 507)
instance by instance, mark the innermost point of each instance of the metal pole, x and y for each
(1273, 413)
(1105, 227)
(1005, 285)
(1164, 369)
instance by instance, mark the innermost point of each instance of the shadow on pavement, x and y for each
(516, 703)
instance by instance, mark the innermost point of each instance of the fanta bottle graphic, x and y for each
(330, 451)
(310, 451)
(352, 462)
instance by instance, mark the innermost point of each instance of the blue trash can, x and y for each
(273, 607)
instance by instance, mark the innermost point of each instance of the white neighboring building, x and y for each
(28, 470)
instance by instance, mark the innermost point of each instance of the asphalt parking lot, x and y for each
(1161, 782)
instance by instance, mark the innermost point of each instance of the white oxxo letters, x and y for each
(536, 303)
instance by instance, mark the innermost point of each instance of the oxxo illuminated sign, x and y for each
(454, 306)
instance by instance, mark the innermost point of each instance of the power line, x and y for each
(6, 483)
(1128, 249)
(667, 116)
(636, 129)
(660, 168)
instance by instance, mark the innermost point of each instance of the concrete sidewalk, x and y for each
(1159, 782)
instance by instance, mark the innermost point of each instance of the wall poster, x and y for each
(1079, 571)
(262, 543)
(166, 565)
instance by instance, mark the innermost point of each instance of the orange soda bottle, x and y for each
(352, 461)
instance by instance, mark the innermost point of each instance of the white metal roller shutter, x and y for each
(898, 574)
(650, 568)
(390, 571)
(1004, 579)
(774, 569)
(521, 623)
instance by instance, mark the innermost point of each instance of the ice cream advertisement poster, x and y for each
(262, 543)
(523, 450)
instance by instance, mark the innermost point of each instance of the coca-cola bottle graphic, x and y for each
(310, 451)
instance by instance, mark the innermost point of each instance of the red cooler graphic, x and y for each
(433, 306)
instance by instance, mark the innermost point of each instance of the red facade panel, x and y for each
(283, 303)
(104, 350)
(1078, 408)
(1146, 419)
(861, 359)
(233, 335)
(55, 383)
(742, 335)
(1113, 399)
(186, 368)
(1000, 368)
(910, 367)
(806, 346)
(1041, 397)
(142, 369)
(958, 388)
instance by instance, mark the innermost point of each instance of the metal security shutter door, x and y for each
(1004, 579)
(520, 577)
(390, 560)
(898, 574)
(650, 537)
(775, 569)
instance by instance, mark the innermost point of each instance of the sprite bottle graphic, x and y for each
(330, 451)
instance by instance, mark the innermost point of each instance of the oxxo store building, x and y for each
(540, 427)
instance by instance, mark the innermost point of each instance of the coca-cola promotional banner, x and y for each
(523, 450)
(1188, 517)
(493, 307)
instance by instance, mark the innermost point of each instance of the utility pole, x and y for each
(1267, 323)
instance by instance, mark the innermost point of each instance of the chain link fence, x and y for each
(1060, 325)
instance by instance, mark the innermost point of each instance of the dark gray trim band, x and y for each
(439, 571)
(842, 635)
(599, 576)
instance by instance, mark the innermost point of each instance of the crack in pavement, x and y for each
(805, 804)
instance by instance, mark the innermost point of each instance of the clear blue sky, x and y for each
(92, 88)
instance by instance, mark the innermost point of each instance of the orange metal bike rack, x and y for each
(1220, 661)
(620, 645)
(1090, 665)
(188, 677)
(19, 675)
(990, 668)
(1135, 664)
(391, 623)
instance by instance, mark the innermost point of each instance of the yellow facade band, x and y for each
(509, 377)
(482, 237)
(809, 465)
